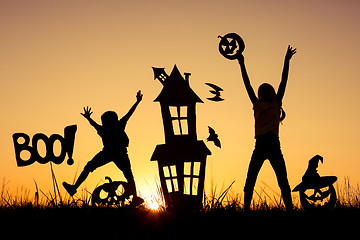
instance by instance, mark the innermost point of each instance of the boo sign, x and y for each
(67, 147)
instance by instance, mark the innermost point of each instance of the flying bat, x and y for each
(216, 91)
(213, 137)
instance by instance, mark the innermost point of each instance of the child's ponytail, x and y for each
(282, 114)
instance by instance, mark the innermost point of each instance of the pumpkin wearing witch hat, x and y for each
(316, 192)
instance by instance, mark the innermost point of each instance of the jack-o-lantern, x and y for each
(111, 193)
(316, 192)
(231, 46)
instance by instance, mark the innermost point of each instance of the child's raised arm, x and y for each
(284, 77)
(87, 114)
(139, 97)
(246, 79)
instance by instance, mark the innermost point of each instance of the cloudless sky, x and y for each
(58, 56)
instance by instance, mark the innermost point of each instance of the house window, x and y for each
(171, 178)
(179, 119)
(191, 177)
(162, 77)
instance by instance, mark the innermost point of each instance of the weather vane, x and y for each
(231, 46)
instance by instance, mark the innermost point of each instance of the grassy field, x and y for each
(50, 215)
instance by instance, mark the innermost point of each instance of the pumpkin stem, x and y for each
(108, 178)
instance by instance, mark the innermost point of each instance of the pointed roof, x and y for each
(176, 90)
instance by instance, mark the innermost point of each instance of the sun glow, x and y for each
(153, 205)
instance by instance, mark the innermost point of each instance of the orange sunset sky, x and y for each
(58, 56)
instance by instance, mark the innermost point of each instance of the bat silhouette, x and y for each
(213, 137)
(216, 91)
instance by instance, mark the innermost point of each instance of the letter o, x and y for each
(37, 157)
(50, 149)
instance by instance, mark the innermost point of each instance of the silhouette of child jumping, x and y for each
(268, 113)
(115, 141)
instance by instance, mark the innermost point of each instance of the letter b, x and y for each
(23, 147)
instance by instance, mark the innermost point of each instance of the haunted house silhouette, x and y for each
(182, 159)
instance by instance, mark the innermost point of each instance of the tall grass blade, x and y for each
(55, 185)
(36, 194)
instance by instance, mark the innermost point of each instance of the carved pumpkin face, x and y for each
(316, 192)
(318, 198)
(112, 193)
(231, 45)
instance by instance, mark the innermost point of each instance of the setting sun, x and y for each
(153, 205)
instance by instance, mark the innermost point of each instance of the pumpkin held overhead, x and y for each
(231, 46)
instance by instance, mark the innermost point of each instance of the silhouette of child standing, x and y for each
(115, 141)
(268, 113)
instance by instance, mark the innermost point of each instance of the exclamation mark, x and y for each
(69, 135)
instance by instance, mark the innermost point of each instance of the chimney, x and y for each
(187, 76)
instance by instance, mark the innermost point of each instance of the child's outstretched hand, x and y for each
(139, 96)
(289, 53)
(87, 112)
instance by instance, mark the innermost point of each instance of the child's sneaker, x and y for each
(69, 188)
